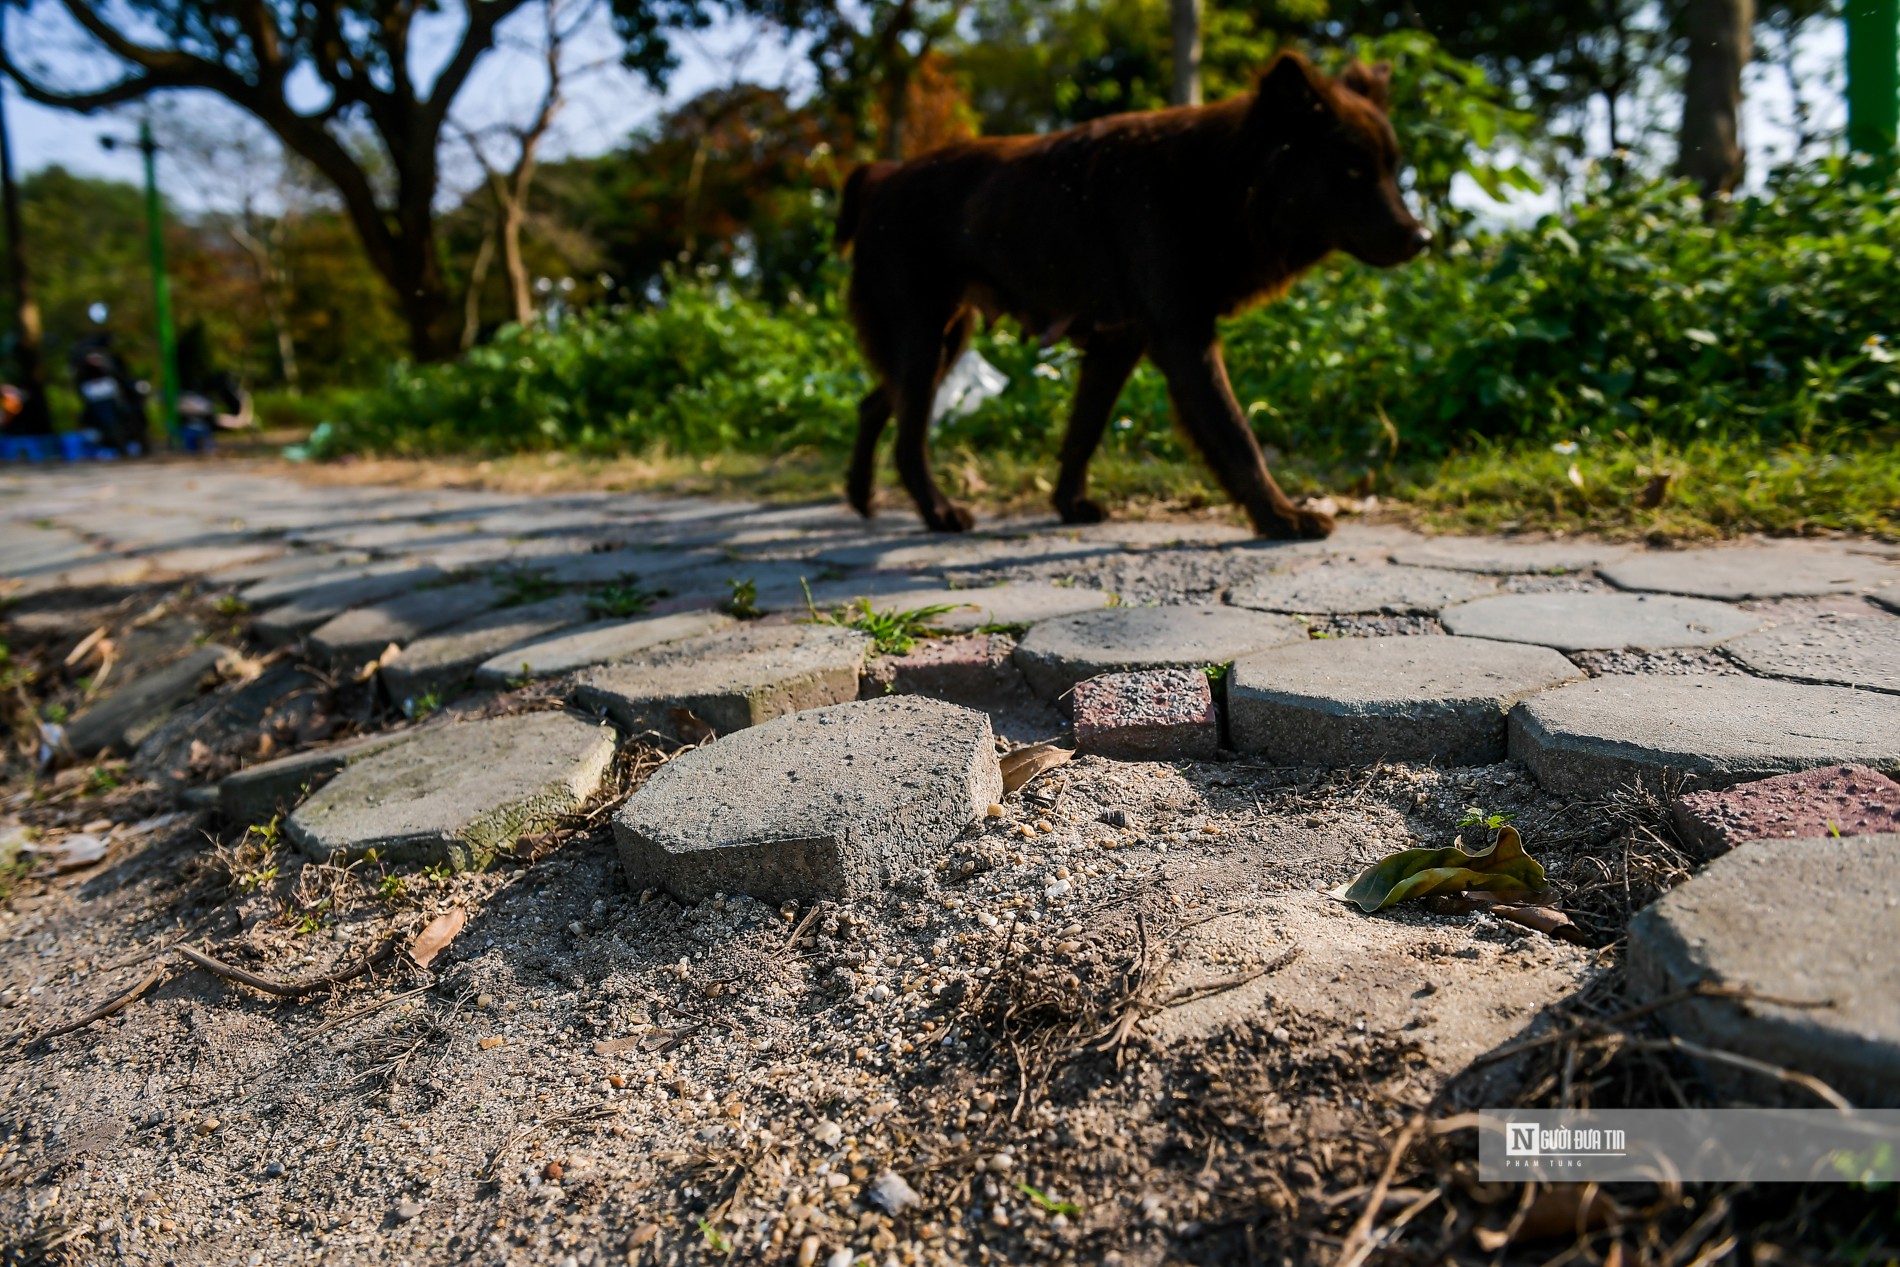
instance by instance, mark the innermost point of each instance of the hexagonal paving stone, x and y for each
(1352, 701)
(1345, 588)
(1859, 651)
(320, 597)
(600, 642)
(451, 656)
(832, 803)
(730, 680)
(1057, 654)
(1739, 572)
(1590, 622)
(457, 794)
(1507, 557)
(976, 607)
(1590, 738)
(363, 632)
(1807, 920)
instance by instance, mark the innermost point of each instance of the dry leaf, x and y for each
(86, 644)
(1545, 919)
(1654, 491)
(1024, 764)
(1565, 1211)
(690, 728)
(435, 938)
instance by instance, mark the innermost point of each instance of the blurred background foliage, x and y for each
(686, 299)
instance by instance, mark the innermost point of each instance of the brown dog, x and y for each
(1130, 236)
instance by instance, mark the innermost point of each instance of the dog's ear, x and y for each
(1374, 82)
(1291, 85)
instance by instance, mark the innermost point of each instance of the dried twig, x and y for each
(100, 1013)
(1358, 1246)
(287, 989)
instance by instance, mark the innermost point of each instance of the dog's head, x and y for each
(1330, 177)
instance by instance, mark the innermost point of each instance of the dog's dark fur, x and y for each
(1130, 236)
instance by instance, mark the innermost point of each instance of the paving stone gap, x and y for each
(1599, 622)
(1350, 701)
(827, 803)
(1810, 920)
(458, 794)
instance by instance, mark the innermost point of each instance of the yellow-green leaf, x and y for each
(1410, 873)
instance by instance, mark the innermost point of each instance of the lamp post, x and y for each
(161, 283)
(1873, 77)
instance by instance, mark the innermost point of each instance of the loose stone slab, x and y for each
(314, 575)
(1861, 651)
(1057, 654)
(1791, 919)
(457, 794)
(1329, 588)
(363, 632)
(1351, 701)
(829, 803)
(1740, 572)
(122, 719)
(255, 793)
(451, 656)
(1152, 715)
(1842, 800)
(600, 642)
(1593, 622)
(1589, 738)
(324, 602)
(1505, 558)
(731, 680)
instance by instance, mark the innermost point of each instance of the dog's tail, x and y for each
(851, 200)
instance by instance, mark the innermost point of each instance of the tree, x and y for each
(1719, 35)
(1186, 29)
(362, 53)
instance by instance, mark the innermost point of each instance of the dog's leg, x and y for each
(1197, 380)
(1107, 361)
(861, 484)
(923, 363)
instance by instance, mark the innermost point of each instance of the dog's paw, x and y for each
(864, 503)
(1315, 525)
(1293, 523)
(1082, 511)
(949, 517)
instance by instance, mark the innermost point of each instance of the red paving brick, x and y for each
(1850, 800)
(1153, 715)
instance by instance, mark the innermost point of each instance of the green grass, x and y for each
(620, 600)
(892, 632)
(521, 586)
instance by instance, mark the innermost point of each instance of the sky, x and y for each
(606, 102)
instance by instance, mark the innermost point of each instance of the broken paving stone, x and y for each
(257, 793)
(363, 632)
(828, 803)
(1596, 621)
(1151, 715)
(457, 794)
(452, 655)
(1590, 738)
(1803, 920)
(601, 642)
(1344, 588)
(122, 719)
(305, 610)
(729, 680)
(1739, 572)
(1351, 701)
(1841, 800)
(1507, 557)
(1057, 654)
(1861, 651)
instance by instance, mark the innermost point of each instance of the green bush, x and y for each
(1628, 317)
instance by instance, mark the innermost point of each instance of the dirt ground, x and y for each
(1120, 1023)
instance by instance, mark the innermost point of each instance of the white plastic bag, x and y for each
(970, 382)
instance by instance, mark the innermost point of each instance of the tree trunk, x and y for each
(472, 298)
(1721, 40)
(1187, 52)
(35, 419)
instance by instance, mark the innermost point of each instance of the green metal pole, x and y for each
(161, 286)
(1873, 77)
